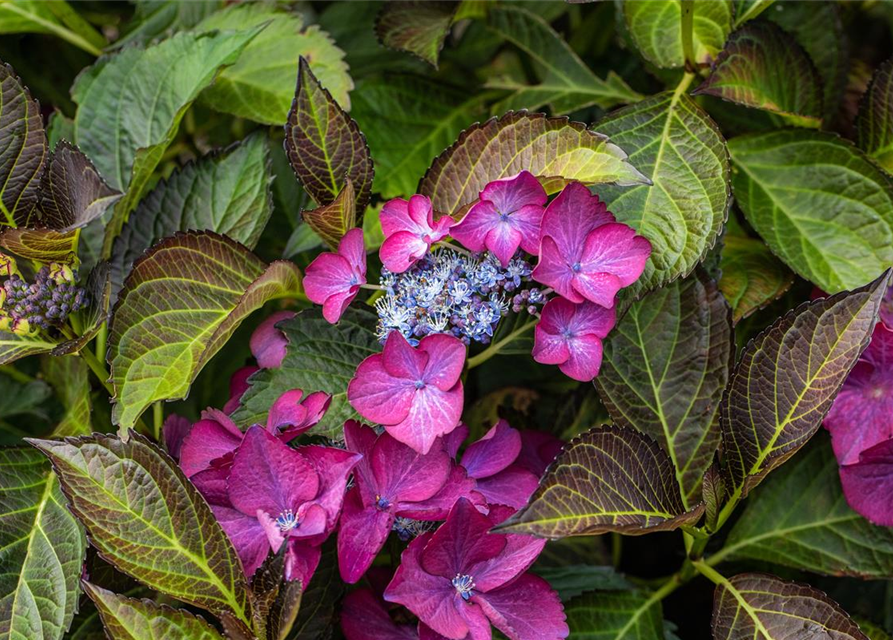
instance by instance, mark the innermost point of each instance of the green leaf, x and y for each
(429, 116)
(27, 399)
(873, 124)
(53, 17)
(873, 631)
(760, 606)
(656, 29)
(319, 357)
(571, 581)
(144, 517)
(315, 619)
(331, 221)
(14, 347)
(800, 518)
(43, 245)
(71, 380)
(786, 380)
(746, 73)
(673, 142)
(664, 369)
(228, 193)
(324, 145)
(259, 85)
(125, 121)
(419, 28)
(833, 226)
(615, 615)
(749, 9)
(131, 619)
(553, 148)
(24, 149)
(751, 276)
(154, 18)
(179, 306)
(41, 550)
(595, 486)
(567, 83)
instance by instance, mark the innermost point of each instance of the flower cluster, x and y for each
(26, 307)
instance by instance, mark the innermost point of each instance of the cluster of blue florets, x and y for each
(450, 292)
(47, 301)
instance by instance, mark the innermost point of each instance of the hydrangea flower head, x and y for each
(334, 279)
(409, 231)
(415, 393)
(507, 216)
(268, 343)
(462, 578)
(570, 335)
(238, 385)
(584, 253)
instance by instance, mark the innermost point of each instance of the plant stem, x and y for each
(373, 287)
(710, 573)
(157, 420)
(98, 370)
(616, 549)
(494, 348)
(688, 23)
(452, 247)
(101, 337)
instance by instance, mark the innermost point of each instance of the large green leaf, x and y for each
(132, 619)
(419, 28)
(746, 73)
(673, 142)
(259, 85)
(154, 18)
(179, 306)
(664, 369)
(23, 149)
(71, 380)
(429, 116)
(873, 125)
(53, 17)
(319, 357)
(228, 193)
(553, 148)
(144, 517)
(751, 276)
(567, 83)
(818, 202)
(130, 105)
(656, 29)
(763, 607)
(615, 615)
(786, 380)
(41, 550)
(598, 484)
(800, 518)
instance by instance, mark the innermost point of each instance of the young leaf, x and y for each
(324, 145)
(88, 321)
(145, 518)
(43, 549)
(131, 619)
(873, 125)
(656, 29)
(615, 615)
(259, 85)
(331, 221)
(609, 479)
(567, 84)
(553, 148)
(664, 370)
(760, 606)
(800, 518)
(228, 193)
(319, 357)
(787, 378)
(833, 227)
(179, 306)
(751, 276)
(746, 73)
(419, 28)
(671, 140)
(23, 150)
(71, 380)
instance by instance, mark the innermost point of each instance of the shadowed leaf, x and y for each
(763, 607)
(834, 227)
(571, 581)
(749, 9)
(664, 370)
(751, 276)
(874, 125)
(132, 619)
(676, 144)
(555, 150)
(178, 307)
(615, 615)
(144, 517)
(275, 601)
(786, 380)
(746, 73)
(315, 619)
(609, 479)
(419, 28)
(332, 221)
(71, 380)
(41, 550)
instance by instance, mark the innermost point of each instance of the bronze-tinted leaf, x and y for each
(88, 321)
(13, 347)
(417, 27)
(873, 124)
(43, 245)
(275, 600)
(609, 479)
(751, 276)
(555, 150)
(324, 145)
(331, 221)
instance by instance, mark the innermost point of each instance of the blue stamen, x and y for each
(287, 521)
(464, 585)
(382, 503)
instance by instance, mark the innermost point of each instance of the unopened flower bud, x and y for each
(22, 327)
(7, 266)
(60, 273)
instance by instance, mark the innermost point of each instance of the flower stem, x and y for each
(373, 287)
(496, 347)
(157, 420)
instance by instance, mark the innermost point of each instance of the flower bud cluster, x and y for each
(26, 307)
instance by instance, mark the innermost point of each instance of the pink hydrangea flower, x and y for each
(570, 335)
(462, 578)
(334, 279)
(507, 216)
(584, 253)
(415, 393)
(409, 231)
(268, 343)
(238, 385)
(365, 617)
(392, 480)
